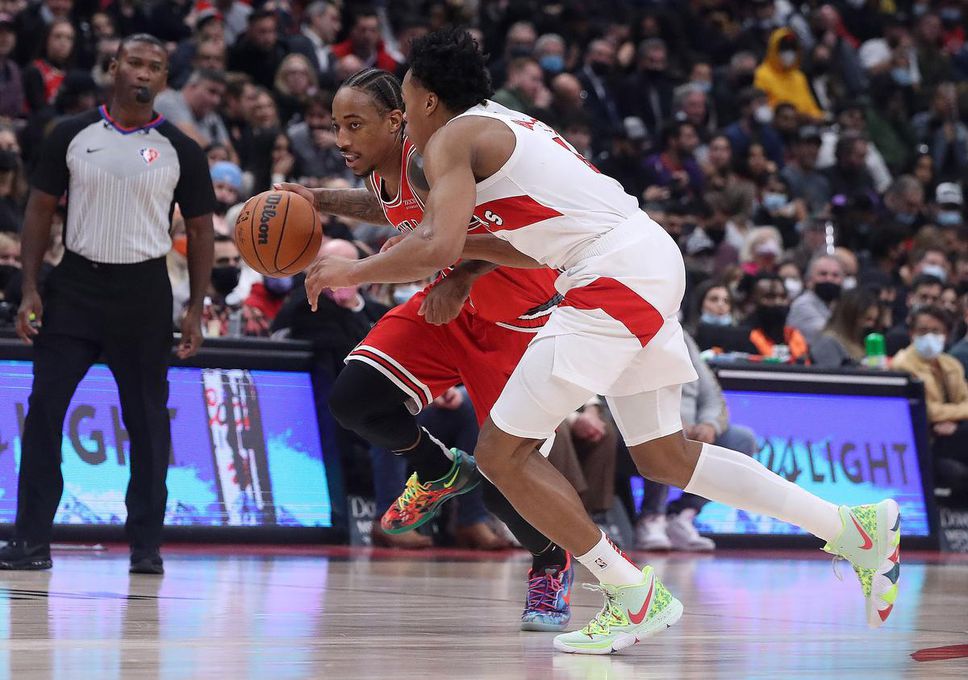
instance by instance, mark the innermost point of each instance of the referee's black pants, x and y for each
(122, 313)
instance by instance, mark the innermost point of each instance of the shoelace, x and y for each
(611, 614)
(411, 491)
(543, 591)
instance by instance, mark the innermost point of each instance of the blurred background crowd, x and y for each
(809, 158)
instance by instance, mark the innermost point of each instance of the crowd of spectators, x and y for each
(809, 158)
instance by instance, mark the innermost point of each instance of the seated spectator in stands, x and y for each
(925, 291)
(44, 75)
(855, 316)
(314, 143)
(960, 349)
(691, 104)
(344, 316)
(451, 419)
(849, 175)
(259, 52)
(550, 50)
(792, 278)
(708, 250)
(295, 83)
(800, 171)
(11, 79)
(78, 93)
(731, 84)
(753, 126)
(761, 251)
(705, 418)
(675, 167)
(786, 124)
(646, 93)
(756, 167)
(269, 294)
(321, 24)
(949, 300)
(227, 180)
(13, 192)
(811, 310)
(238, 102)
(945, 391)
(904, 204)
(9, 271)
(717, 166)
(194, 108)
(852, 122)
(364, 41)
(713, 309)
(265, 115)
(524, 89)
(780, 77)
(205, 49)
(584, 452)
(944, 133)
(948, 201)
(779, 208)
(227, 314)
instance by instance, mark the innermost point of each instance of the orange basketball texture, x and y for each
(278, 233)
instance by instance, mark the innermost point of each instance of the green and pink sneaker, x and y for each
(630, 614)
(871, 542)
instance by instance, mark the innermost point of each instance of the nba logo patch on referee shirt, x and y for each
(149, 155)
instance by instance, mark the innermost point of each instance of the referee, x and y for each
(123, 167)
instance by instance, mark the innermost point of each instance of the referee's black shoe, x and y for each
(22, 556)
(146, 562)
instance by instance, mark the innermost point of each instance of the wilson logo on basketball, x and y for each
(149, 155)
(268, 212)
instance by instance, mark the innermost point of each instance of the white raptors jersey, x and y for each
(547, 201)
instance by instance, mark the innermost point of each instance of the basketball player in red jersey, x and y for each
(615, 333)
(470, 327)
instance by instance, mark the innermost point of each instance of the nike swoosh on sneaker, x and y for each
(868, 543)
(639, 616)
(450, 482)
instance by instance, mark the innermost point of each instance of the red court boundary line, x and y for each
(941, 653)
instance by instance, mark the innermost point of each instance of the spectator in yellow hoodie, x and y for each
(781, 78)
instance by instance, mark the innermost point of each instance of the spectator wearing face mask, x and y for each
(949, 201)
(524, 89)
(925, 292)
(780, 77)
(601, 101)
(227, 181)
(945, 392)
(841, 343)
(550, 51)
(753, 127)
(269, 295)
(770, 334)
(225, 307)
(810, 312)
(780, 209)
(713, 314)
(904, 203)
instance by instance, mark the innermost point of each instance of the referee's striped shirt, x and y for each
(122, 184)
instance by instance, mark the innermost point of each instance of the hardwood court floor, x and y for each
(340, 613)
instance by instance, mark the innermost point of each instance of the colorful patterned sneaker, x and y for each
(871, 542)
(420, 503)
(548, 605)
(630, 614)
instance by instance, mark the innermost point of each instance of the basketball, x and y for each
(278, 233)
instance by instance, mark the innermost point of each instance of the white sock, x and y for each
(739, 481)
(610, 565)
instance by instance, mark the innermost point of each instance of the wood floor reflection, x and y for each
(335, 614)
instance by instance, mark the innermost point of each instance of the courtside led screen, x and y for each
(245, 449)
(846, 449)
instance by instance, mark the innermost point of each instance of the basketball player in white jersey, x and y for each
(616, 333)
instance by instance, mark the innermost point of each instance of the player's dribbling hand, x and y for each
(296, 189)
(444, 301)
(191, 334)
(29, 316)
(328, 271)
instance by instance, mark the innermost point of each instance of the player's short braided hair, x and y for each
(382, 86)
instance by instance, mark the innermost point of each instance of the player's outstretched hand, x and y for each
(328, 271)
(444, 300)
(297, 189)
(29, 316)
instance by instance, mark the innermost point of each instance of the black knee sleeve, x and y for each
(366, 402)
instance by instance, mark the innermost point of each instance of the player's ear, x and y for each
(431, 104)
(396, 120)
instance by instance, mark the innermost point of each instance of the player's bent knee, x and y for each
(668, 460)
(498, 453)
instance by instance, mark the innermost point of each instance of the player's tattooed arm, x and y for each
(355, 204)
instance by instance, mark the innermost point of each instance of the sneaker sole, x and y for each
(539, 627)
(33, 565)
(470, 486)
(668, 618)
(880, 580)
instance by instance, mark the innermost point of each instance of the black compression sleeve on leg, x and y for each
(544, 551)
(368, 403)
